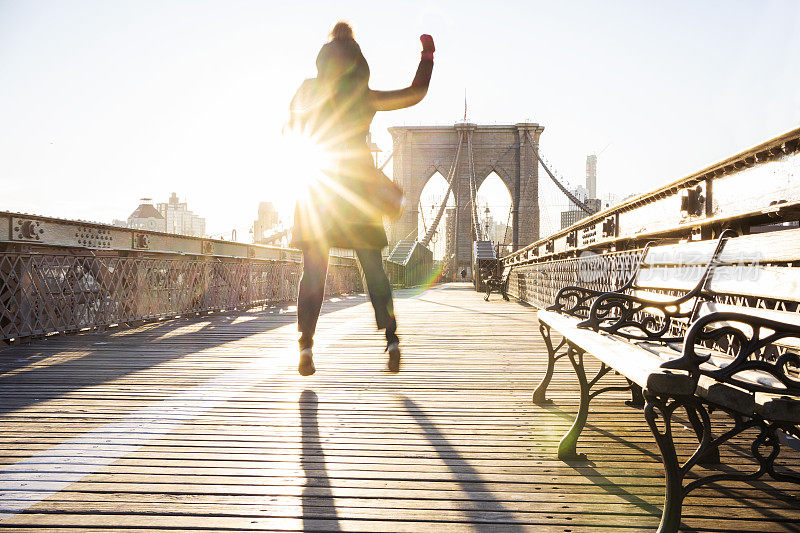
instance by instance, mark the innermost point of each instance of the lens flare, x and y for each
(309, 160)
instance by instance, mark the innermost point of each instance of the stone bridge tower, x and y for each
(421, 151)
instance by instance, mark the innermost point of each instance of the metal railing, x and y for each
(600, 251)
(45, 293)
(538, 283)
(757, 187)
(63, 276)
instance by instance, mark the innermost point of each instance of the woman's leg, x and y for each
(380, 292)
(311, 293)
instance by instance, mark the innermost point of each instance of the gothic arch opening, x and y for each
(496, 148)
(430, 200)
(494, 209)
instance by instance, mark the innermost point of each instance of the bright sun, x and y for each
(301, 162)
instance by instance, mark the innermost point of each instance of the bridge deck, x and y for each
(204, 424)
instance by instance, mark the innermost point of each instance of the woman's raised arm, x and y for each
(390, 100)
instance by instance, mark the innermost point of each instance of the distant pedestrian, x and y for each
(344, 208)
(463, 274)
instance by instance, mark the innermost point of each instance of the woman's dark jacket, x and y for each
(339, 210)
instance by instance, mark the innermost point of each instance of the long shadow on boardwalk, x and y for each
(481, 499)
(586, 468)
(105, 357)
(317, 496)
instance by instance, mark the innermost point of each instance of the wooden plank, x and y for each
(782, 283)
(773, 246)
(452, 443)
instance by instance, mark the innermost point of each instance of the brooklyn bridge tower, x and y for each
(466, 154)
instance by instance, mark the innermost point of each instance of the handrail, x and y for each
(788, 143)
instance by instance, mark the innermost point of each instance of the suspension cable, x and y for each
(450, 180)
(395, 147)
(473, 190)
(563, 189)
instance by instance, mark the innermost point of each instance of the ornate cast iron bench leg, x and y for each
(663, 408)
(491, 286)
(539, 397)
(711, 457)
(567, 447)
(655, 408)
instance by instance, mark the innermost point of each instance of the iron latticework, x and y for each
(43, 293)
(538, 283)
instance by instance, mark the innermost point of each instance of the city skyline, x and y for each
(142, 99)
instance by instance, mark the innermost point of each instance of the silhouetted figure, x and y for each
(345, 206)
(317, 499)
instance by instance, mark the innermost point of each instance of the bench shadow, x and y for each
(480, 495)
(557, 411)
(585, 467)
(317, 501)
(93, 358)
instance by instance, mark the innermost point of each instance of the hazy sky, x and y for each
(103, 102)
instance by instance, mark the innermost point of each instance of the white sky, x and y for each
(103, 102)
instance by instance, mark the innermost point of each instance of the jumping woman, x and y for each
(342, 208)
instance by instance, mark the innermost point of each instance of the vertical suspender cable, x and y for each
(473, 190)
(450, 179)
(563, 189)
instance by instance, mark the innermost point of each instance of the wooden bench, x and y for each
(576, 301)
(498, 283)
(732, 347)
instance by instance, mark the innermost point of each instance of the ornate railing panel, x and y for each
(538, 283)
(68, 290)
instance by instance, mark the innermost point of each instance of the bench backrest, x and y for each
(677, 277)
(754, 291)
(675, 267)
(744, 265)
(671, 271)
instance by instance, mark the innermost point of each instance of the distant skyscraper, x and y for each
(178, 219)
(267, 221)
(573, 214)
(591, 175)
(570, 217)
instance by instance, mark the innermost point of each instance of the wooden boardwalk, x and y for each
(204, 424)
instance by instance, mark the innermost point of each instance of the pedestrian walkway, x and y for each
(204, 425)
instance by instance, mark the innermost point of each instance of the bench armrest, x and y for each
(757, 363)
(632, 317)
(574, 301)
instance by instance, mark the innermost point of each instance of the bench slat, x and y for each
(774, 246)
(639, 365)
(684, 253)
(787, 317)
(780, 283)
(685, 307)
(680, 278)
(726, 395)
(778, 407)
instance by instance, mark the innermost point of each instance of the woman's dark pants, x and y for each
(312, 292)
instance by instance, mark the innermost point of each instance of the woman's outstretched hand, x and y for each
(427, 46)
